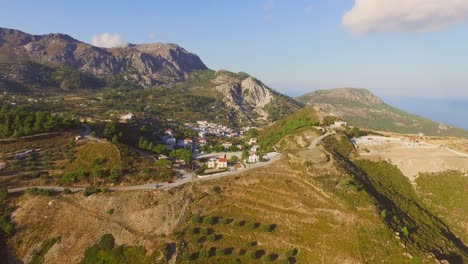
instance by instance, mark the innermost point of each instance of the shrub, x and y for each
(208, 220)
(266, 258)
(217, 189)
(202, 253)
(211, 237)
(196, 219)
(89, 191)
(251, 254)
(292, 252)
(110, 211)
(204, 231)
(405, 231)
(107, 242)
(67, 191)
(267, 228)
(186, 256)
(219, 252)
(3, 194)
(38, 191)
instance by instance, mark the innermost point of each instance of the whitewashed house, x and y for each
(253, 158)
(217, 163)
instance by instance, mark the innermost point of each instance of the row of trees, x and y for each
(18, 122)
(143, 143)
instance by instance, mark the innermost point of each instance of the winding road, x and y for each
(184, 179)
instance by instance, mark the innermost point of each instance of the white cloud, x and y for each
(108, 40)
(407, 16)
(308, 9)
(152, 36)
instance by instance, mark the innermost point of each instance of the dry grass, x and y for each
(326, 223)
(86, 153)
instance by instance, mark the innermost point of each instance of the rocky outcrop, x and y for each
(248, 97)
(147, 64)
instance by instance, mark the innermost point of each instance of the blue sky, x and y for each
(293, 46)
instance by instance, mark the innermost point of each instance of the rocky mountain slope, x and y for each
(362, 108)
(252, 99)
(60, 61)
(147, 64)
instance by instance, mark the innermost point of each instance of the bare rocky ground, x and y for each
(412, 161)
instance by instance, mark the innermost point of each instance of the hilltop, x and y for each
(362, 108)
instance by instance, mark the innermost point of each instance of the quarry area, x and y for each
(412, 155)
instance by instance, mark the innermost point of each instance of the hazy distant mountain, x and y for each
(364, 109)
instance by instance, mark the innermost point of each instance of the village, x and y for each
(227, 156)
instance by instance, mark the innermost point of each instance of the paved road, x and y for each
(185, 178)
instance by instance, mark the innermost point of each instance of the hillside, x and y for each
(362, 108)
(59, 64)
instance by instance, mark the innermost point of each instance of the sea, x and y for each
(450, 111)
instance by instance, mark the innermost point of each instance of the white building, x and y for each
(217, 163)
(227, 145)
(339, 124)
(254, 158)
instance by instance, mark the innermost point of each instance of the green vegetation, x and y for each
(38, 255)
(445, 195)
(92, 190)
(105, 251)
(182, 154)
(291, 124)
(404, 211)
(19, 121)
(38, 191)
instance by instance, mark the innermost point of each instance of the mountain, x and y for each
(147, 64)
(60, 61)
(362, 108)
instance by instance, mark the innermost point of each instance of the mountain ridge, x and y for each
(361, 107)
(147, 64)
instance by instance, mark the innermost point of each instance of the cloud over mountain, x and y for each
(108, 40)
(406, 16)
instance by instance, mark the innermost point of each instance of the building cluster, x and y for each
(171, 142)
(205, 128)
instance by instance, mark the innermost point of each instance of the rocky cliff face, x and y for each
(147, 64)
(250, 98)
